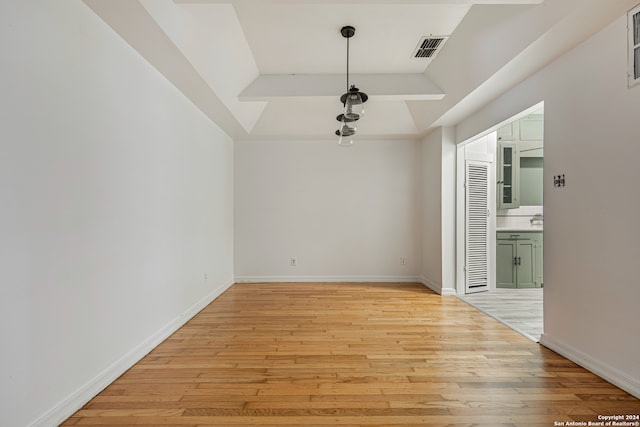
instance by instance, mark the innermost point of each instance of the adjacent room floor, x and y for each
(520, 309)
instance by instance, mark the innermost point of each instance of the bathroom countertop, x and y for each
(519, 229)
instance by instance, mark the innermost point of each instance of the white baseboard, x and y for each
(436, 288)
(79, 398)
(601, 369)
(320, 279)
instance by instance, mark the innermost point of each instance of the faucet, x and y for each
(536, 218)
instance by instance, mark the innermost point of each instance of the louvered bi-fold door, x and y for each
(477, 226)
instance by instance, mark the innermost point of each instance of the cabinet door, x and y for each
(509, 132)
(525, 253)
(505, 263)
(508, 175)
(539, 278)
(532, 128)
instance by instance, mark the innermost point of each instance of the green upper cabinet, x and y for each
(531, 127)
(519, 168)
(509, 132)
(531, 132)
(508, 175)
(531, 181)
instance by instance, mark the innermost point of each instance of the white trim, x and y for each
(601, 369)
(437, 288)
(80, 397)
(461, 244)
(320, 279)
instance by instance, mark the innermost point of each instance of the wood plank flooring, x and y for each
(350, 354)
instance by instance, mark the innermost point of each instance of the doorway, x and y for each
(500, 257)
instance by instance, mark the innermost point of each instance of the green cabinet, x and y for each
(519, 260)
(509, 132)
(506, 264)
(537, 239)
(508, 176)
(525, 252)
(528, 128)
(519, 161)
(531, 127)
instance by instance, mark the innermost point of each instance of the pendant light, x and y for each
(353, 101)
(346, 132)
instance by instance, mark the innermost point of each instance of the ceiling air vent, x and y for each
(429, 46)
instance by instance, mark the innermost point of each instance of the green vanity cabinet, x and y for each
(519, 259)
(506, 265)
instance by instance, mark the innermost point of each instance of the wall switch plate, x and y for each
(293, 262)
(558, 181)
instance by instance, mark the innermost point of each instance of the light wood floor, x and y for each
(520, 309)
(349, 354)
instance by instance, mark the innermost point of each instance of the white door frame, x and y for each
(461, 157)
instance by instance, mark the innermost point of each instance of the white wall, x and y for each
(448, 210)
(431, 268)
(117, 198)
(591, 225)
(344, 213)
(438, 206)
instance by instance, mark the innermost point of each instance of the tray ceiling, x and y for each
(265, 69)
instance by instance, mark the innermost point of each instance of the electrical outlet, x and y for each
(294, 262)
(206, 276)
(403, 261)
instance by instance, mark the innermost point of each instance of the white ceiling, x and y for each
(265, 69)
